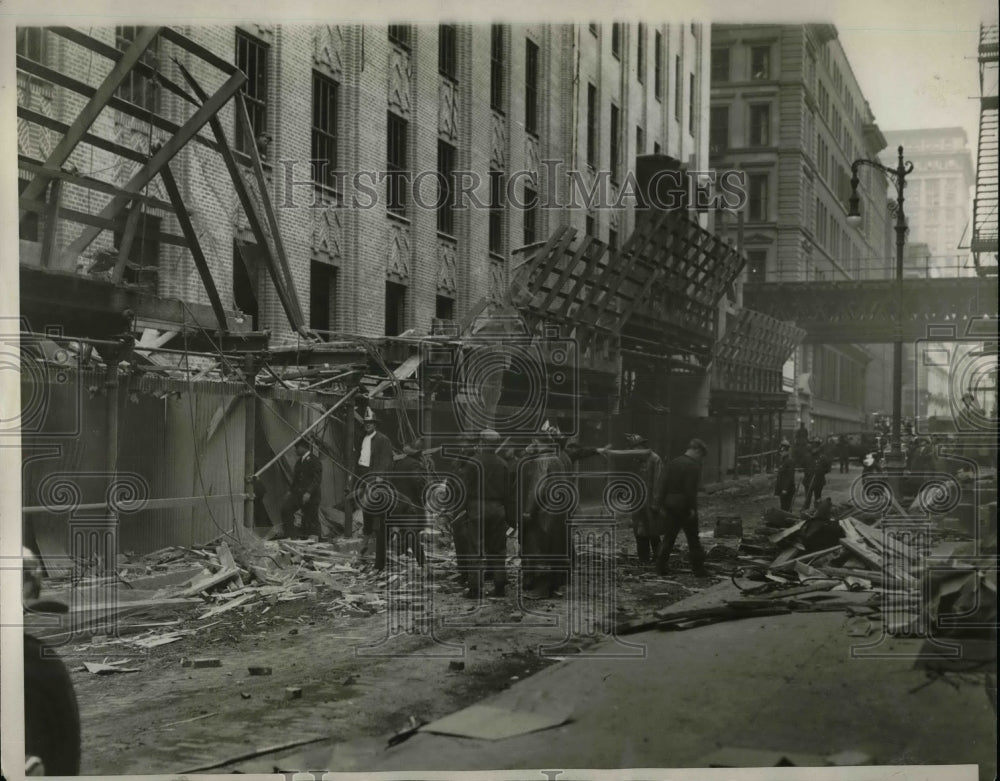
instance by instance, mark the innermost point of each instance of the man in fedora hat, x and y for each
(374, 464)
(681, 507)
(784, 483)
(303, 493)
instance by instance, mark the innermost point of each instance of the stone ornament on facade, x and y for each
(397, 255)
(327, 233)
(400, 77)
(448, 110)
(328, 47)
(447, 277)
(498, 141)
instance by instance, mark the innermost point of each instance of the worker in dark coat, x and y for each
(844, 454)
(648, 520)
(409, 478)
(303, 493)
(784, 483)
(374, 466)
(681, 507)
(486, 482)
(541, 523)
(814, 476)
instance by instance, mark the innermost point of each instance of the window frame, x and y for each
(397, 163)
(532, 72)
(448, 51)
(326, 136)
(257, 82)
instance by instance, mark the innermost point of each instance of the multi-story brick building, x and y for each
(787, 110)
(938, 197)
(357, 125)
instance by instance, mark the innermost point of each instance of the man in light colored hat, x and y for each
(681, 505)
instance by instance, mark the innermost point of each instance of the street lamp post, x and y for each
(898, 175)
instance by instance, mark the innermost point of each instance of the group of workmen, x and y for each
(500, 492)
(815, 465)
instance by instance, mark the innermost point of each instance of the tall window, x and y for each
(446, 181)
(591, 125)
(496, 211)
(531, 87)
(324, 130)
(252, 59)
(590, 226)
(760, 62)
(399, 34)
(497, 67)
(678, 87)
(447, 50)
(530, 216)
(616, 40)
(718, 129)
(640, 141)
(640, 53)
(137, 88)
(31, 43)
(760, 125)
(757, 265)
(720, 65)
(395, 308)
(615, 147)
(658, 65)
(322, 295)
(444, 307)
(691, 104)
(396, 164)
(757, 201)
(245, 281)
(612, 240)
(656, 147)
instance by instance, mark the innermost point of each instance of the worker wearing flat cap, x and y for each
(484, 534)
(681, 507)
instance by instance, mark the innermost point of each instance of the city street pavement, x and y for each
(784, 684)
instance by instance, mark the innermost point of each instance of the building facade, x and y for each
(938, 197)
(787, 111)
(358, 127)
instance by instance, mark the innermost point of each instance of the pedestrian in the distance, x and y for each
(844, 454)
(784, 483)
(303, 493)
(681, 505)
(814, 476)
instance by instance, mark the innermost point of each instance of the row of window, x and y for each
(759, 130)
(759, 64)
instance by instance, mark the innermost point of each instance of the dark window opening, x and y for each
(530, 216)
(640, 141)
(497, 67)
(324, 130)
(444, 308)
(760, 125)
(28, 228)
(446, 185)
(678, 87)
(590, 226)
(399, 34)
(396, 165)
(531, 87)
(252, 59)
(760, 62)
(656, 147)
(137, 88)
(448, 50)
(31, 43)
(395, 308)
(640, 53)
(322, 296)
(615, 146)
(612, 240)
(658, 65)
(691, 104)
(757, 266)
(496, 212)
(591, 125)
(720, 65)
(718, 129)
(245, 286)
(757, 201)
(616, 40)
(143, 259)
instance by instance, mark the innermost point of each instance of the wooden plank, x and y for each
(179, 39)
(118, 104)
(405, 370)
(162, 156)
(581, 250)
(128, 236)
(93, 219)
(51, 222)
(557, 253)
(632, 256)
(99, 47)
(249, 207)
(209, 582)
(97, 142)
(200, 261)
(584, 276)
(89, 113)
(226, 606)
(78, 180)
(281, 258)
